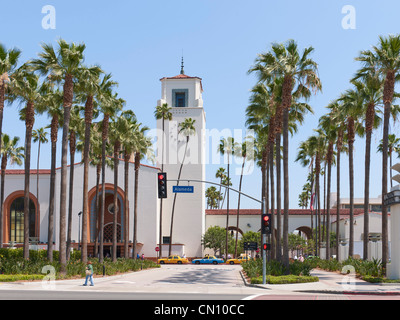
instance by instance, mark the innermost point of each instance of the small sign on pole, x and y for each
(182, 189)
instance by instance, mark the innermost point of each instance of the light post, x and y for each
(79, 230)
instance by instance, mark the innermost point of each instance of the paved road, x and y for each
(198, 282)
(170, 282)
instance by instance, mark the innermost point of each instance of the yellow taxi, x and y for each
(238, 260)
(173, 259)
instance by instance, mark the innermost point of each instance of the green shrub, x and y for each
(284, 279)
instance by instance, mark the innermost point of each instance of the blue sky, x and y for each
(140, 42)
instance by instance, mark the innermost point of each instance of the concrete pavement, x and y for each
(333, 283)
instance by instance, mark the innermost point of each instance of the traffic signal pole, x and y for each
(263, 206)
(264, 252)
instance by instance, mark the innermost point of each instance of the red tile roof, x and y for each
(180, 76)
(22, 171)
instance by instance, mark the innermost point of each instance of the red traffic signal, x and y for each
(266, 246)
(266, 224)
(162, 185)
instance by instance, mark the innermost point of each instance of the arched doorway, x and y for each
(14, 218)
(109, 214)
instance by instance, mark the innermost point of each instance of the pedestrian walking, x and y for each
(89, 274)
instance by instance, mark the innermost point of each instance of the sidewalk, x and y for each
(335, 283)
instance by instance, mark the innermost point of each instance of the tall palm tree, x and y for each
(163, 113)
(39, 136)
(52, 105)
(110, 104)
(25, 89)
(385, 59)
(227, 146)
(370, 86)
(142, 148)
(328, 129)
(75, 132)
(64, 65)
(244, 151)
(8, 64)
(88, 87)
(10, 152)
(299, 73)
(127, 144)
(352, 108)
(220, 174)
(187, 129)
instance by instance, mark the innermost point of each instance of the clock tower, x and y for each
(183, 94)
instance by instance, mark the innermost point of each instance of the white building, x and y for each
(184, 95)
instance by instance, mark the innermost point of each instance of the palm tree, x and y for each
(243, 151)
(8, 64)
(227, 146)
(385, 59)
(63, 65)
(298, 72)
(9, 152)
(352, 108)
(370, 86)
(75, 132)
(328, 129)
(142, 148)
(52, 105)
(110, 104)
(40, 136)
(220, 174)
(127, 144)
(187, 129)
(25, 89)
(162, 112)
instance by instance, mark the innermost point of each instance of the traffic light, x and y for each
(266, 224)
(162, 185)
(266, 246)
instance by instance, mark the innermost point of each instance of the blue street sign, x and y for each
(182, 189)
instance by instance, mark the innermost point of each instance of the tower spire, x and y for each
(182, 71)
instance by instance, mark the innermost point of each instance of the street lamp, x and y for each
(79, 230)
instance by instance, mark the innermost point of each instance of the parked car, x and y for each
(238, 260)
(173, 259)
(208, 260)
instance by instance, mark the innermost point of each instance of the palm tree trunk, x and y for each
(67, 104)
(72, 142)
(85, 207)
(227, 215)
(103, 185)
(126, 194)
(339, 151)
(37, 188)
(286, 188)
(278, 196)
(278, 250)
(173, 203)
(137, 167)
(238, 210)
(96, 215)
(351, 180)
(116, 209)
(30, 119)
(328, 199)
(368, 127)
(50, 236)
(3, 176)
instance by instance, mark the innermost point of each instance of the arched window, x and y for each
(17, 220)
